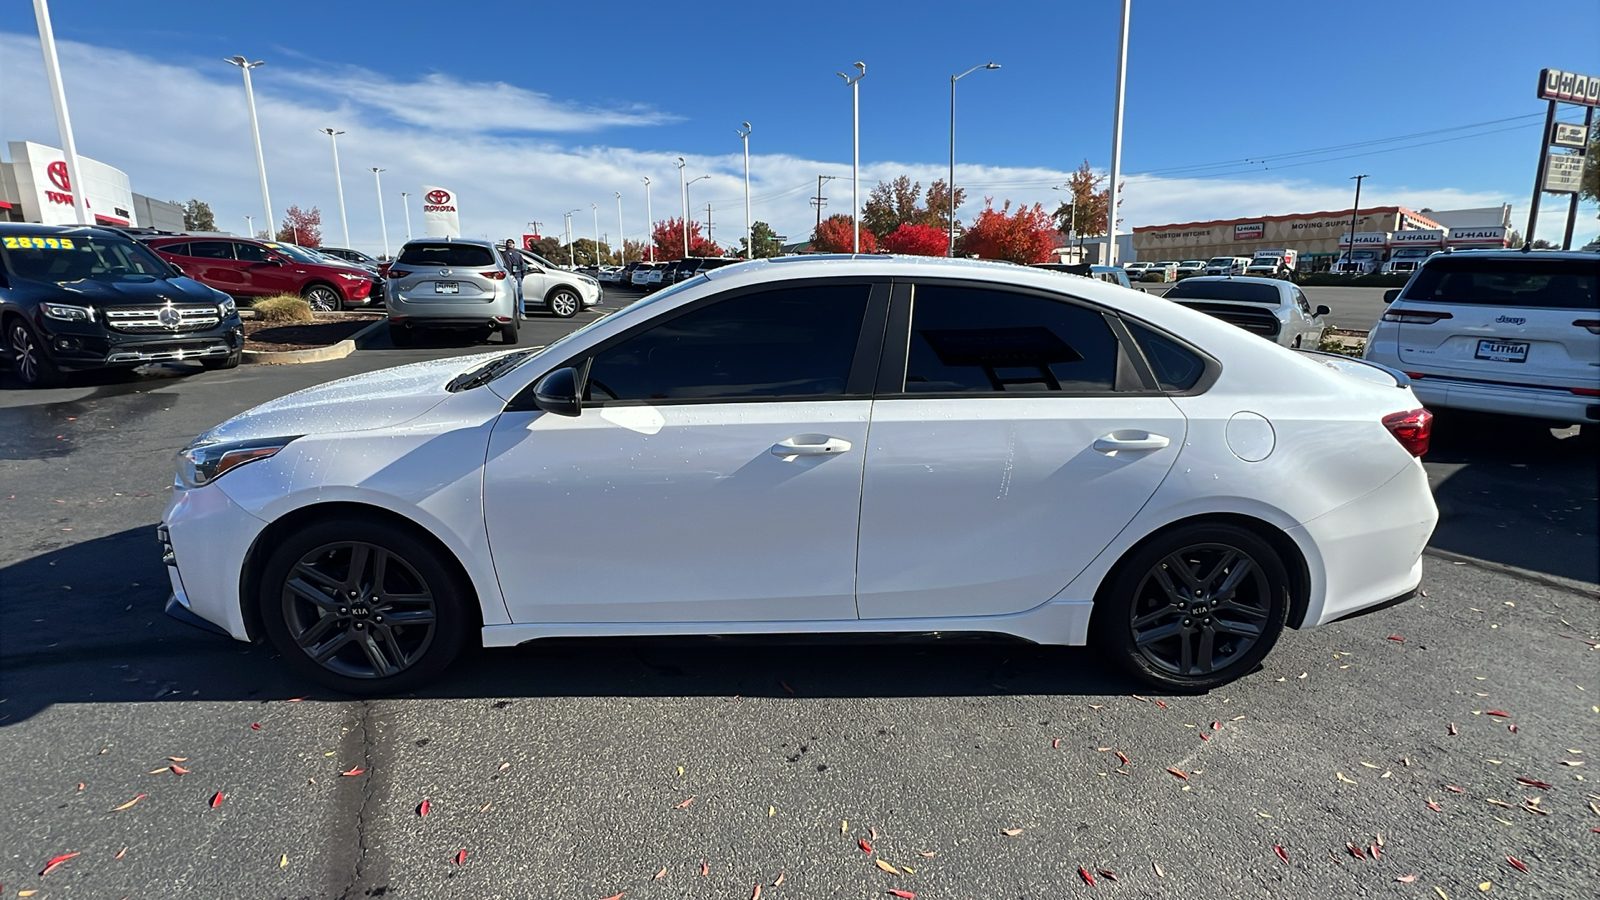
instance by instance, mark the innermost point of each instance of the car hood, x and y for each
(379, 399)
(140, 293)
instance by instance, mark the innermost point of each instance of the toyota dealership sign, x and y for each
(440, 218)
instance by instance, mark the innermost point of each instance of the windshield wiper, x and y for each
(490, 370)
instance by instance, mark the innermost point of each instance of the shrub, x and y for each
(1331, 342)
(283, 309)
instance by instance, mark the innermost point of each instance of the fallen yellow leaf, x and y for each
(772, 811)
(284, 862)
(1011, 832)
(1344, 778)
(1485, 886)
(844, 826)
(886, 867)
(1440, 891)
(1368, 765)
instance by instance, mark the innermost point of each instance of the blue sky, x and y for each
(530, 110)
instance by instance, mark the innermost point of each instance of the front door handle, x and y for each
(810, 445)
(1131, 440)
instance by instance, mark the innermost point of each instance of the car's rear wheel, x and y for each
(1194, 608)
(28, 360)
(564, 303)
(322, 298)
(363, 606)
(509, 331)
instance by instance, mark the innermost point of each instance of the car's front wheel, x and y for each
(1194, 608)
(28, 360)
(363, 606)
(323, 298)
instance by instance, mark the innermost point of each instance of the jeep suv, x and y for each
(76, 298)
(1499, 331)
(247, 269)
(451, 283)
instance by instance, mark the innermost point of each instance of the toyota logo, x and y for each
(435, 196)
(444, 271)
(169, 317)
(58, 175)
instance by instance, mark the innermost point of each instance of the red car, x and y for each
(247, 269)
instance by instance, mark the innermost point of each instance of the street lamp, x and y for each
(1116, 140)
(596, 208)
(255, 129)
(683, 186)
(649, 222)
(333, 136)
(250, 226)
(405, 198)
(622, 254)
(572, 259)
(377, 176)
(951, 251)
(749, 238)
(855, 165)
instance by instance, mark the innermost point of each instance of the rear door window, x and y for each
(211, 249)
(249, 252)
(1488, 281)
(446, 253)
(174, 249)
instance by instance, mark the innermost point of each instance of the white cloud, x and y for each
(183, 132)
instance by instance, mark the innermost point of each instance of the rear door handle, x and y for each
(1131, 440)
(810, 445)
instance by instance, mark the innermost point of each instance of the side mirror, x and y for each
(1323, 311)
(177, 268)
(1391, 295)
(557, 393)
(274, 260)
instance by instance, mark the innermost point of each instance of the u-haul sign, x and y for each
(1420, 237)
(1569, 87)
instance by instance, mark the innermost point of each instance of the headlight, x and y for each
(67, 313)
(201, 464)
(227, 307)
(351, 276)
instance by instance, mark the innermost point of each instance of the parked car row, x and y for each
(651, 276)
(246, 269)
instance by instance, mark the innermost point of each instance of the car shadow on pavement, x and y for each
(1514, 493)
(84, 624)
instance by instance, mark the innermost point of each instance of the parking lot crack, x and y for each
(359, 752)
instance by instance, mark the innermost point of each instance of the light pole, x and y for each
(338, 180)
(58, 94)
(596, 208)
(255, 129)
(951, 250)
(649, 222)
(749, 238)
(1350, 259)
(622, 253)
(855, 164)
(1116, 139)
(250, 226)
(572, 258)
(405, 199)
(683, 188)
(377, 176)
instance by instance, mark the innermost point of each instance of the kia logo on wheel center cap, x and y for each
(438, 196)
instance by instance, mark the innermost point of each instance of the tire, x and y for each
(231, 361)
(508, 331)
(322, 298)
(564, 303)
(364, 647)
(27, 356)
(1147, 621)
(399, 335)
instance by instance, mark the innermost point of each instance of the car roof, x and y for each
(476, 242)
(1523, 254)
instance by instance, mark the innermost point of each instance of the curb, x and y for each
(315, 354)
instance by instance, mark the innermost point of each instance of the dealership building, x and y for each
(1321, 235)
(35, 187)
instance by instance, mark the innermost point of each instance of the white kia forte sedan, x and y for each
(818, 445)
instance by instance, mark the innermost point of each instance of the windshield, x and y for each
(1221, 261)
(1226, 290)
(1265, 261)
(1411, 253)
(83, 257)
(299, 253)
(1192, 262)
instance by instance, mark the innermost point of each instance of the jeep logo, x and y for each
(1510, 320)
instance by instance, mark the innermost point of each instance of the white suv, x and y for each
(1499, 331)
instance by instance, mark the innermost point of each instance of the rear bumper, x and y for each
(1553, 404)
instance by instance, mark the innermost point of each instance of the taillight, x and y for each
(1592, 324)
(1586, 392)
(1412, 429)
(399, 273)
(1414, 316)
(497, 275)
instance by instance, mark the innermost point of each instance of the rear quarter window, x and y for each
(1532, 282)
(446, 254)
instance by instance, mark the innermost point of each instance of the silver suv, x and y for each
(451, 283)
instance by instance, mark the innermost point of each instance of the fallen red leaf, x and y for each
(424, 807)
(121, 853)
(1162, 705)
(1434, 806)
(1282, 853)
(1216, 726)
(1512, 728)
(294, 700)
(1375, 850)
(130, 803)
(1455, 790)
(1122, 756)
(1517, 864)
(1355, 851)
(1178, 773)
(1453, 728)
(616, 896)
(1534, 782)
(255, 726)
(1397, 638)
(1204, 736)
(1108, 875)
(1055, 744)
(178, 770)
(659, 875)
(903, 895)
(786, 687)
(756, 893)
(1405, 879)
(54, 863)
(1495, 712)
(705, 868)
(685, 804)
(461, 857)
(216, 800)
(1084, 873)
(355, 771)
(865, 847)
(779, 881)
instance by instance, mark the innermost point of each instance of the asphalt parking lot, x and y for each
(746, 769)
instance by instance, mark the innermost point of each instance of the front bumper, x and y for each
(206, 538)
(78, 346)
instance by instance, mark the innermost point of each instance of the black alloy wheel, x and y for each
(28, 361)
(323, 298)
(362, 606)
(1196, 608)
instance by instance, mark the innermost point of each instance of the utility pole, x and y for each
(749, 236)
(820, 201)
(1350, 260)
(649, 223)
(708, 221)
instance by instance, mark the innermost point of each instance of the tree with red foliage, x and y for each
(303, 227)
(917, 240)
(1026, 237)
(833, 236)
(668, 236)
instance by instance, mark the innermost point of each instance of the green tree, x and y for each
(936, 212)
(892, 204)
(1085, 210)
(766, 241)
(1590, 188)
(197, 216)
